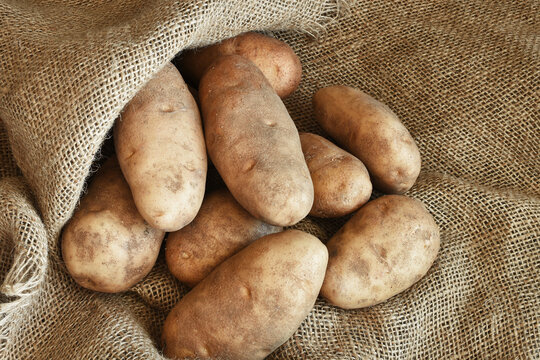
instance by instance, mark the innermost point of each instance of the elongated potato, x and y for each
(251, 303)
(341, 182)
(371, 132)
(221, 228)
(274, 58)
(253, 142)
(107, 246)
(160, 146)
(387, 246)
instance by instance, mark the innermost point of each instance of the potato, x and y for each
(371, 132)
(253, 142)
(387, 246)
(221, 228)
(107, 246)
(340, 181)
(275, 59)
(160, 146)
(251, 303)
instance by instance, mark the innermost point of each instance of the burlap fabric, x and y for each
(462, 75)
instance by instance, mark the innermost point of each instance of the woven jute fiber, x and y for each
(464, 77)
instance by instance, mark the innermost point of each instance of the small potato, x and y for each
(221, 228)
(107, 246)
(275, 59)
(251, 303)
(341, 182)
(254, 143)
(371, 132)
(387, 246)
(160, 146)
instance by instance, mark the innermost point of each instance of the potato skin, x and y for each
(107, 246)
(371, 132)
(341, 181)
(387, 246)
(160, 146)
(254, 143)
(221, 228)
(273, 57)
(251, 303)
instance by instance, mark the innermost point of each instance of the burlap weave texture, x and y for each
(462, 75)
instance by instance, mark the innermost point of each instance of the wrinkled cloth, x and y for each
(462, 76)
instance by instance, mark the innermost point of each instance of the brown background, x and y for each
(462, 75)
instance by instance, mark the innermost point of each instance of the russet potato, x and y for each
(107, 246)
(387, 246)
(369, 130)
(340, 181)
(221, 228)
(160, 147)
(251, 303)
(254, 143)
(274, 58)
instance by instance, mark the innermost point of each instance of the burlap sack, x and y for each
(462, 75)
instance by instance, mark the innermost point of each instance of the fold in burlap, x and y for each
(462, 75)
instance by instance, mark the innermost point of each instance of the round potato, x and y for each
(107, 246)
(160, 146)
(387, 246)
(221, 228)
(251, 303)
(274, 58)
(253, 142)
(340, 181)
(371, 132)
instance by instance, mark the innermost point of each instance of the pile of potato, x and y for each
(253, 283)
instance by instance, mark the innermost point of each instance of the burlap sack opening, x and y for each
(462, 75)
